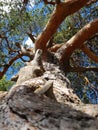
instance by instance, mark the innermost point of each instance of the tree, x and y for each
(5, 84)
(57, 61)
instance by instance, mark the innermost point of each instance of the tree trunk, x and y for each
(58, 108)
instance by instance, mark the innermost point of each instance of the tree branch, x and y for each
(9, 48)
(61, 11)
(77, 40)
(90, 54)
(26, 52)
(23, 52)
(50, 2)
(55, 47)
(7, 42)
(31, 37)
(6, 67)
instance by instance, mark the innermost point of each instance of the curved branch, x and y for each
(6, 67)
(62, 10)
(77, 40)
(90, 54)
(27, 52)
(23, 52)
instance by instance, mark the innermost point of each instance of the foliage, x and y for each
(5, 84)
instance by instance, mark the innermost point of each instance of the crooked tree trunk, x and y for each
(59, 108)
(56, 107)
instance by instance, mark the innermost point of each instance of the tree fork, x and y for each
(61, 11)
(77, 40)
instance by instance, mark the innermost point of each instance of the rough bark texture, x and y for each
(58, 108)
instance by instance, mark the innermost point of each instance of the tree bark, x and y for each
(78, 39)
(59, 108)
(61, 11)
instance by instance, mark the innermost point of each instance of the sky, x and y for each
(28, 41)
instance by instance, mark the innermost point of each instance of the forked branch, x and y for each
(77, 40)
(26, 52)
(61, 11)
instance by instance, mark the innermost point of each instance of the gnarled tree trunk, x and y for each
(42, 98)
(57, 108)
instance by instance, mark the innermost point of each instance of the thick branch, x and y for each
(60, 13)
(77, 40)
(90, 54)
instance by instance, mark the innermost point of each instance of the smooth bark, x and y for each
(61, 11)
